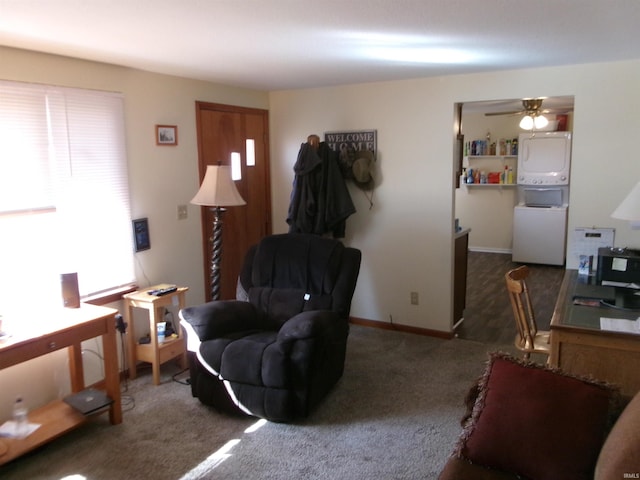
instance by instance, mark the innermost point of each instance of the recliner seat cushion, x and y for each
(211, 350)
(256, 360)
(260, 358)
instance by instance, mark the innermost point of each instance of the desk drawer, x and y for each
(24, 350)
(35, 347)
(171, 350)
(166, 351)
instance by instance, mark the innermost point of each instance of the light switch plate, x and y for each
(182, 212)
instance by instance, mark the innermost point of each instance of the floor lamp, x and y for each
(218, 190)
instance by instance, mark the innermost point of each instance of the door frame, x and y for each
(205, 214)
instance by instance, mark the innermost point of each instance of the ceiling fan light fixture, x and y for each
(540, 121)
(527, 122)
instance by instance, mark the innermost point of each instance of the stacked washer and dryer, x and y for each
(540, 217)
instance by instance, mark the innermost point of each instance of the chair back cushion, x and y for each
(290, 273)
(280, 304)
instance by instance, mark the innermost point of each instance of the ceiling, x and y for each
(289, 44)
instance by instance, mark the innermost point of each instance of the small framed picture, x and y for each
(141, 234)
(166, 135)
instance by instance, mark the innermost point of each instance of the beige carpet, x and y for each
(394, 415)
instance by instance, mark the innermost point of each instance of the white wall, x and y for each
(161, 178)
(406, 238)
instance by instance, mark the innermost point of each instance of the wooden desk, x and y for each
(153, 352)
(579, 346)
(66, 328)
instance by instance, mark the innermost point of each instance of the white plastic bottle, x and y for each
(20, 417)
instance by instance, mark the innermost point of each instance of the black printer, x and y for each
(618, 265)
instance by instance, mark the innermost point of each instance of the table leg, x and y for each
(131, 339)
(179, 331)
(111, 371)
(554, 355)
(76, 368)
(155, 315)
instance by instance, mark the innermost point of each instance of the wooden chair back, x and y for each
(522, 307)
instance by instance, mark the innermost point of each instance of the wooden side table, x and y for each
(64, 329)
(153, 352)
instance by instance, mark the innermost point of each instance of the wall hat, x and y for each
(362, 169)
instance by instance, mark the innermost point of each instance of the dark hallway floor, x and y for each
(488, 317)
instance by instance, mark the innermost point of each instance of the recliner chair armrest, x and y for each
(217, 318)
(313, 323)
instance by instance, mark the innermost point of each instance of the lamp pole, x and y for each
(216, 252)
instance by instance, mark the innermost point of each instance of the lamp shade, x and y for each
(629, 209)
(218, 189)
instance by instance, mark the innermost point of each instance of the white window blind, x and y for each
(64, 196)
(25, 177)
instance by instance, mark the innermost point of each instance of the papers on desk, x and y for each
(611, 283)
(620, 325)
(9, 429)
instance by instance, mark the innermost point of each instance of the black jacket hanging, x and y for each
(320, 200)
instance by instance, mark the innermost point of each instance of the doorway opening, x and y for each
(487, 210)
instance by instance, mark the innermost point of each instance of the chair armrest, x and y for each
(310, 324)
(217, 318)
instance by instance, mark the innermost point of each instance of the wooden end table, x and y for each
(153, 352)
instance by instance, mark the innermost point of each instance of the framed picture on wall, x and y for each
(166, 135)
(141, 234)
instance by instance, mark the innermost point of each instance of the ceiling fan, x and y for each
(532, 111)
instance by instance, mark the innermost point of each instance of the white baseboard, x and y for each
(490, 250)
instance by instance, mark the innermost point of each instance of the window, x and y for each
(64, 196)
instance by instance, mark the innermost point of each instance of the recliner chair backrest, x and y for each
(290, 273)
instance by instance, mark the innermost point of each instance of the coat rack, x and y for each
(355, 165)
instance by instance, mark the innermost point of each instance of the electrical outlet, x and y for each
(182, 212)
(414, 298)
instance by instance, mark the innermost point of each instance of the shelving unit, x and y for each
(501, 157)
(492, 163)
(490, 185)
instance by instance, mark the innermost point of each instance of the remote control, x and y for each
(162, 291)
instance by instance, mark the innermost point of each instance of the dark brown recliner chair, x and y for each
(278, 349)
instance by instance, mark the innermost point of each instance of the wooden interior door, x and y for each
(223, 130)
